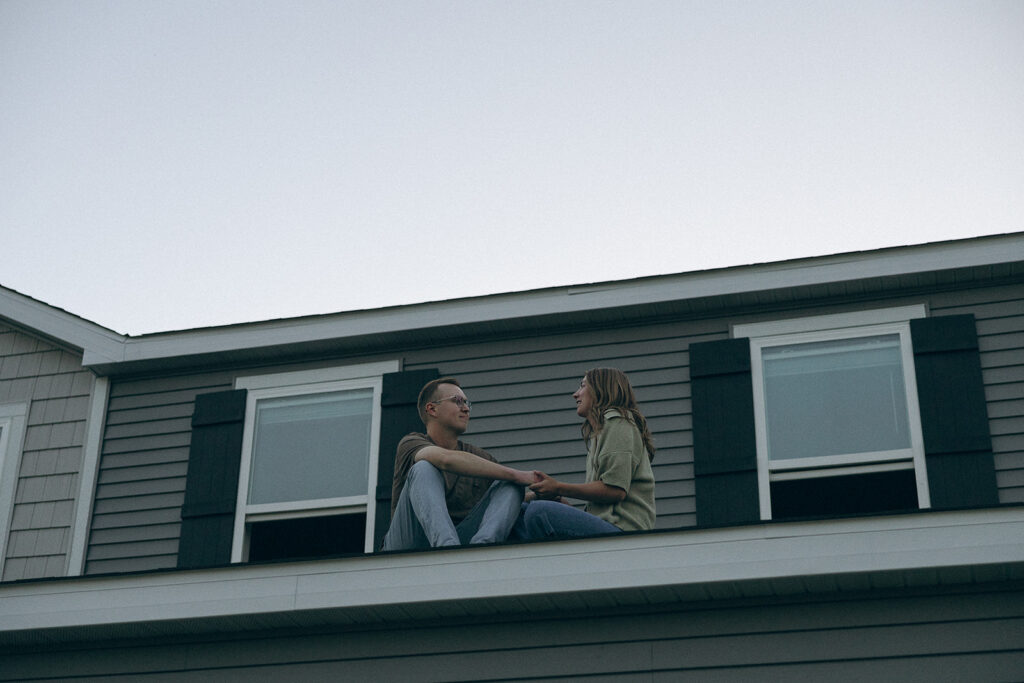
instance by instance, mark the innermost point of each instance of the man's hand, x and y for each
(546, 487)
(524, 478)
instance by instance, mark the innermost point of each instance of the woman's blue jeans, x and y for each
(551, 519)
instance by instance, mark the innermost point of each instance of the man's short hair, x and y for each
(429, 392)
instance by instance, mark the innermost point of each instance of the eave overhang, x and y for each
(689, 294)
(763, 287)
(658, 568)
(68, 330)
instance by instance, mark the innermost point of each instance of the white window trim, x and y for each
(835, 321)
(13, 418)
(829, 328)
(300, 383)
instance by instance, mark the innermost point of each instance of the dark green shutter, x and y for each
(724, 445)
(211, 486)
(398, 417)
(954, 418)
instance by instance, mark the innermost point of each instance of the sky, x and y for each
(172, 164)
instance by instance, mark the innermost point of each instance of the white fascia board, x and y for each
(95, 341)
(562, 300)
(687, 558)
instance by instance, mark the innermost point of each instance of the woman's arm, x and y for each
(613, 450)
(548, 488)
(471, 465)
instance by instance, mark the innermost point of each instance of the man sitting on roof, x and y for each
(443, 491)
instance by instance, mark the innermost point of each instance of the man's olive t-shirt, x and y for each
(462, 492)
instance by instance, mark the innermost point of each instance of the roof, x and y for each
(693, 294)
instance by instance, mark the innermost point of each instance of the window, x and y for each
(836, 418)
(309, 463)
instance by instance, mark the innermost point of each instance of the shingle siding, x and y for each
(56, 389)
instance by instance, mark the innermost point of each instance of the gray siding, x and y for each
(524, 413)
(141, 484)
(521, 389)
(57, 390)
(945, 635)
(1000, 320)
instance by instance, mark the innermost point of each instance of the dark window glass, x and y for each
(309, 537)
(876, 492)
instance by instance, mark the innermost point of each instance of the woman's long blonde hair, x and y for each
(611, 389)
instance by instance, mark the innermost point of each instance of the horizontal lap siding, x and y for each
(141, 485)
(939, 635)
(999, 315)
(524, 413)
(56, 389)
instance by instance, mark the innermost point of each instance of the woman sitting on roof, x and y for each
(619, 487)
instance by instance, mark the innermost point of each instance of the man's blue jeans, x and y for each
(421, 517)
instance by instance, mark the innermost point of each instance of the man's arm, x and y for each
(471, 465)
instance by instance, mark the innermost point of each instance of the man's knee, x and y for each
(422, 469)
(508, 488)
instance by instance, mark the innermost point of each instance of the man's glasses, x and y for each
(457, 400)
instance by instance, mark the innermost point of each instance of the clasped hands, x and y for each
(539, 485)
(544, 487)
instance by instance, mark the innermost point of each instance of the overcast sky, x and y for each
(168, 164)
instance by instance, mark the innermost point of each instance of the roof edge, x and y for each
(93, 340)
(557, 301)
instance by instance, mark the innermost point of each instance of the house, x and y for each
(840, 479)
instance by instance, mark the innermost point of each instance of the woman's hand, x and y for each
(546, 488)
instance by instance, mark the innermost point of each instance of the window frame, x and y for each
(305, 383)
(889, 321)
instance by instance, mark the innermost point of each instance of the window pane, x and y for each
(310, 447)
(835, 397)
(874, 492)
(307, 537)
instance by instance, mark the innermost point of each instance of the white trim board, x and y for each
(836, 321)
(335, 373)
(88, 474)
(13, 421)
(94, 340)
(689, 559)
